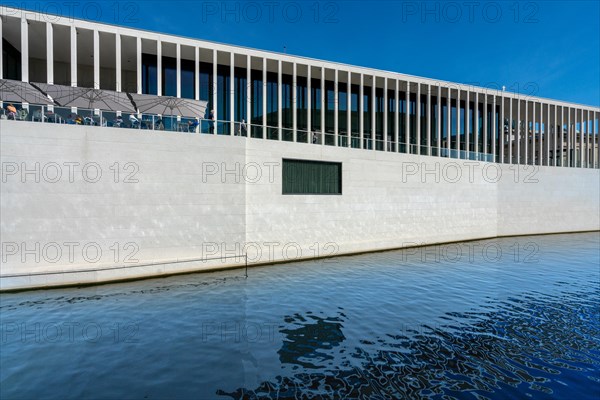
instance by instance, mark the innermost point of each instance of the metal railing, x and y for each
(144, 121)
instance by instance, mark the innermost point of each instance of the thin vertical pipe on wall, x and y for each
(118, 63)
(349, 110)
(24, 50)
(335, 105)
(197, 73)
(322, 105)
(518, 136)
(418, 118)
(501, 129)
(494, 129)
(264, 97)
(407, 120)
(569, 161)
(385, 114)
(138, 49)
(590, 135)
(458, 122)
(309, 103)
(449, 122)
(439, 120)
(555, 132)
(546, 158)
(587, 140)
(49, 53)
(396, 115)
(543, 138)
(215, 91)
(576, 141)
(373, 114)
(597, 138)
(485, 126)
(178, 69)
(294, 101)
(96, 45)
(526, 134)
(232, 94)
(361, 114)
(563, 138)
(511, 132)
(279, 100)
(467, 124)
(476, 125)
(73, 56)
(159, 76)
(428, 120)
(533, 132)
(248, 94)
(581, 139)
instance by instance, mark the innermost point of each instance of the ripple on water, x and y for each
(370, 326)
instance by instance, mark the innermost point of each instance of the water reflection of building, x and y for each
(307, 341)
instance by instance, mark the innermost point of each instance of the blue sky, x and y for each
(543, 48)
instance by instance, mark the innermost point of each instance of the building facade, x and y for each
(287, 98)
(336, 159)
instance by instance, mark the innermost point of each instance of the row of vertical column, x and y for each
(521, 130)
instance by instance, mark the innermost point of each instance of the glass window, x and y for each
(256, 116)
(315, 112)
(287, 85)
(169, 76)
(302, 102)
(272, 99)
(223, 90)
(149, 74)
(240, 95)
(311, 177)
(188, 79)
(11, 61)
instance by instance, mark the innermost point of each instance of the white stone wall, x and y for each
(197, 197)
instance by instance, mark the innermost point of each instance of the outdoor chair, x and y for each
(38, 116)
(192, 127)
(22, 114)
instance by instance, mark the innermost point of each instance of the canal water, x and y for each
(512, 317)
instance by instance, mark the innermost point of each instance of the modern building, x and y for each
(290, 98)
(283, 157)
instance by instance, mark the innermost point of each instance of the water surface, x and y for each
(512, 317)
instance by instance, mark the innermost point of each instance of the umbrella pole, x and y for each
(172, 127)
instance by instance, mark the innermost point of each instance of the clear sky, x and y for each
(543, 48)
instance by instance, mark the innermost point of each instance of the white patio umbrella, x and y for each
(106, 100)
